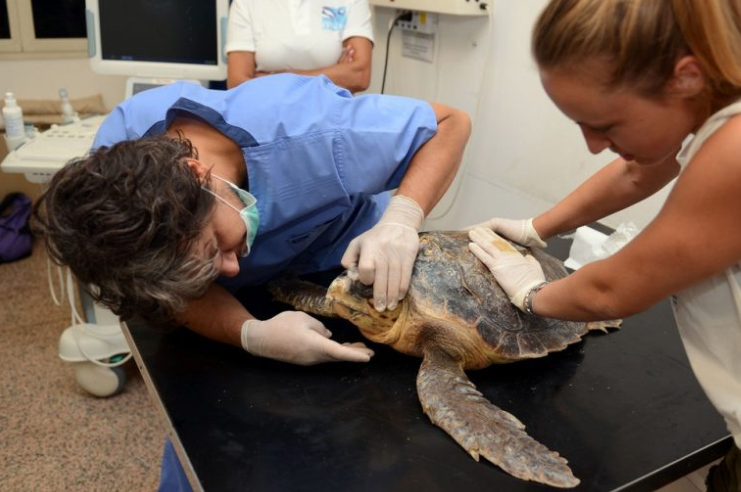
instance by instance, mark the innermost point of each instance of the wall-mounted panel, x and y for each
(453, 7)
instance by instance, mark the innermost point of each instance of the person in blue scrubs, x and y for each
(191, 194)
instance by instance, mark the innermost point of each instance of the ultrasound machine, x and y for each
(153, 42)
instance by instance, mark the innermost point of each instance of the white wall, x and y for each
(523, 154)
(42, 79)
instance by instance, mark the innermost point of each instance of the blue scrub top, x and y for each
(318, 159)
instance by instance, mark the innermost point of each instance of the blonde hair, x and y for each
(643, 40)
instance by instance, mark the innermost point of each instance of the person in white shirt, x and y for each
(306, 37)
(639, 77)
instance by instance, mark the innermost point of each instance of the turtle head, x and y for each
(353, 301)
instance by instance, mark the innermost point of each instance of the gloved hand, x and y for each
(296, 337)
(515, 273)
(385, 254)
(519, 231)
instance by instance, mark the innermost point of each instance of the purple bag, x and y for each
(15, 236)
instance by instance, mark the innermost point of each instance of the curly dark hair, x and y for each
(125, 219)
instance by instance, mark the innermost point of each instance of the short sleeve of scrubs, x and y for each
(322, 138)
(365, 143)
(112, 130)
(380, 136)
(135, 116)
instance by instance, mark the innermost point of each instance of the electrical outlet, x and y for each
(422, 22)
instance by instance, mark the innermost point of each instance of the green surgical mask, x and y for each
(248, 214)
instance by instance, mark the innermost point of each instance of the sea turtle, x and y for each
(456, 317)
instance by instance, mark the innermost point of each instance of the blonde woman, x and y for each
(638, 77)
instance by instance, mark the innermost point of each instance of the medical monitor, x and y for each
(176, 39)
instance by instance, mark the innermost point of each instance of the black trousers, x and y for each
(726, 475)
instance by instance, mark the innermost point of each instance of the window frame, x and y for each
(23, 40)
(12, 45)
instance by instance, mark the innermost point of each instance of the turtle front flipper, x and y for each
(454, 404)
(302, 295)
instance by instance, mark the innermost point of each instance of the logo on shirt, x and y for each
(334, 18)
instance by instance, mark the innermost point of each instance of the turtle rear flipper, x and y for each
(604, 325)
(454, 404)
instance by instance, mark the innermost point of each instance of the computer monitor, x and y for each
(173, 39)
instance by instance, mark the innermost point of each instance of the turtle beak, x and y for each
(347, 286)
(358, 289)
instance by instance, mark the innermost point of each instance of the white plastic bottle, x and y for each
(15, 132)
(68, 113)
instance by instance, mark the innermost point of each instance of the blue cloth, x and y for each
(319, 162)
(318, 159)
(172, 474)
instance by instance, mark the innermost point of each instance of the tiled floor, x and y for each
(693, 482)
(54, 435)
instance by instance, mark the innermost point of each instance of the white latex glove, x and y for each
(519, 231)
(385, 254)
(296, 337)
(515, 273)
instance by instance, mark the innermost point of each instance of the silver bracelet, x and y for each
(530, 296)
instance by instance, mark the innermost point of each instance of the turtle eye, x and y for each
(360, 290)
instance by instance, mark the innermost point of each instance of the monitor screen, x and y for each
(158, 38)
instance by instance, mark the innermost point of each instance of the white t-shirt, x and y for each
(296, 34)
(708, 314)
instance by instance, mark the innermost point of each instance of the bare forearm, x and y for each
(353, 70)
(435, 164)
(588, 295)
(352, 77)
(217, 315)
(615, 187)
(601, 195)
(240, 68)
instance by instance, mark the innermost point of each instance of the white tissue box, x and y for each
(590, 245)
